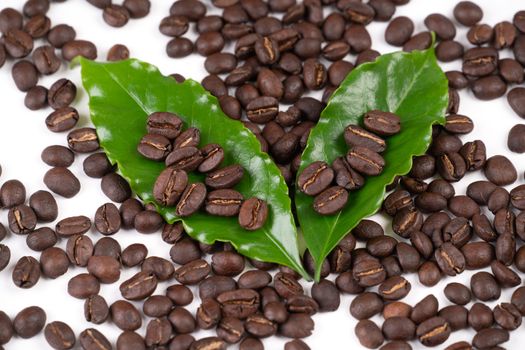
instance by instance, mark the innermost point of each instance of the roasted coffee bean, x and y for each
(429, 274)
(25, 75)
(74, 225)
(365, 161)
(162, 268)
(63, 119)
(286, 285)
(57, 156)
(504, 35)
(449, 50)
(105, 268)
(179, 294)
(223, 202)
(396, 201)
(394, 288)
(267, 50)
(510, 70)
(515, 141)
(484, 286)
(158, 332)
(260, 326)
(445, 143)
(425, 309)
(406, 221)
(210, 23)
(507, 316)
(97, 165)
(357, 136)
(83, 140)
(399, 328)
(54, 262)
(83, 286)
(208, 314)
(41, 239)
(480, 316)
(420, 41)
(423, 167)
(408, 257)
(154, 147)
(174, 25)
(116, 15)
(450, 260)
(226, 177)
(179, 47)
(26, 272)
(193, 272)
(369, 334)
(79, 249)
(227, 263)
(96, 309)
(254, 279)
(125, 315)
(61, 34)
(326, 295)
(17, 43)
(59, 335)
(515, 98)
(518, 299)
(519, 259)
(140, 286)
(489, 88)
(331, 200)
(115, 187)
(118, 52)
(429, 202)
(433, 331)
(253, 214)
(399, 31)
(107, 246)
(459, 124)
(480, 61)
(456, 316)
(456, 79)
(184, 250)
(22, 219)
(505, 247)
(107, 219)
(184, 158)
(212, 343)
(480, 191)
(412, 185)
(441, 25)
(366, 305)
(457, 293)
(10, 18)
(29, 322)
(422, 243)
(191, 199)
(134, 254)
(61, 94)
(262, 109)
(220, 63)
(499, 199)
(490, 337)
(269, 84)
(382, 123)
(36, 97)
(463, 206)
(381, 246)
(297, 326)
(467, 13)
(396, 309)
(451, 166)
(369, 272)
(92, 339)
(284, 150)
(345, 176)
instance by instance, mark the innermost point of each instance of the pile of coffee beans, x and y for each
(363, 159)
(282, 50)
(166, 141)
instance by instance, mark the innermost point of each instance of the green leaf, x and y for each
(409, 84)
(123, 94)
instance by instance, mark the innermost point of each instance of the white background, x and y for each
(23, 136)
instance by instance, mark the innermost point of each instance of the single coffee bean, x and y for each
(467, 13)
(79, 249)
(45, 60)
(450, 259)
(10, 18)
(480, 34)
(54, 262)
(22, 219)
(60, 34)
(105, 268)
(423, 167)
(96, 309)
(429, 202)
(515, 141)
(480, 61)
(394, 288)
(157, 306)
(226, 177)
(74, 225)
(58, 156)
(457, 79)
(480, 316)
(518, 299)
(63, 119)
(396, 201)
(26, 272)
(507, 316)
(18, 43)
(130, 340)
(25, 75)
(179, 47)
(369, 334)
(357, 136)
(29, 322)
(429, 274)
(510, 71)
(455, 315)
(406, 221)
(118, 52)
(83, 286)
(41, 239)
(184, 158)
(366, 305)
(92, 339)
(140, 286)
(449, 50)
(441, 25)
(154, 147)
(213, 155)
(420, 41)
(182, 320)
(212, 343)
(59, 335)
(148, 221)
(451, 166)
(484, 286)
(457, 293)
(489, 87)
(125, 315)
(399, 31)
(116, 15)
(137, 8)
(97, 165)
(83, 140)
(61, 94)
(516, 100)
(365, 161)
(115, 187)
(223, 202)
(36, 97)
(262, 109)
(174, 25)
(425, 309)
(499, 199)
(399, 328)
(107, 219)
(433, 331)
(382, 123)
(490, 337)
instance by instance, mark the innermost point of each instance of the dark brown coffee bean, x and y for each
(510, 71)
(29, 322)
(223, 202)
(174, 25)
(297, 326)
(433, 331)
(74, 225)
(457, 293)
(477, 255)
(456, 316)
(450, 259)
(315, 178)
(231, 107)
(26, 272)
(480, 316)
(381, 246)
(435, 222)
(125, 315)
(396, 201)
(394, 288)
(429, 274)
(83, 140)
(226, 177)
(25, 75)
(420, 41)
(193, 9)
(382, 123)
(406, 221)
(474, 154)
(61, 94)
(451, 166)
(220, 63)
(41, 239)
(425, 309)
(148, 221)
(365, 161)
(208, 314)
(357, 136)
(193, 272)
(212, 343)
(441, 25)
(96, 309)
(500, 171)
(140, 286)
(54, 262)
(490, 337)
(369, 334)
(399, 328)
(57, 156)
(286, 285)
(18, 43)
(504, 275)
(449, 50)
(516, 100)
(62, 119)
(92, 339)
(480, 191)
(489, 88)
(107, 219)
(267, 50)
(83, 286)
(210, 23)
(116, 15)
(262, 109)
(118, 52)
(10, 18)
(399, 31)
(59, 335)
(408, 256)
(484, 286)
(467, 13)
(154, 147)
(184, 158)
(22, 219)
(46, 62)
(423, 167)
(36, 97)
(504, 35)
(429, 202)
(369, 272)
(79, 249)
(515, 141)
(179, 47)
